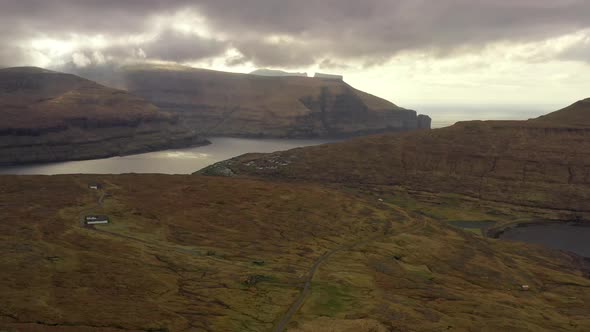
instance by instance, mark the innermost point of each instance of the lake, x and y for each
(570, 236)
(177, 161)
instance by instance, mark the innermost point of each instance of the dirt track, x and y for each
(298, 303)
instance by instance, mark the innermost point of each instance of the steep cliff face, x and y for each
(218, 103)
(50, 116)
(543, 162)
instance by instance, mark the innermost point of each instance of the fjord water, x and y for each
(567, 236)
(177, 161)
(186, 161)
(573, 237)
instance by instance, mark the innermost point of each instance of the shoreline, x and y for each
(194, 142)
(173, 159)
(496, 231)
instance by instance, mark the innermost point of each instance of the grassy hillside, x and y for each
(37, 99)
(221, 254)
(542, 163)
(47, 116)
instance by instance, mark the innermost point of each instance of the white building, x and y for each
(96, 220)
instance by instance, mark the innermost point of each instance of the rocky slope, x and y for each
(227, 104)
(50, 116)
(542, 163)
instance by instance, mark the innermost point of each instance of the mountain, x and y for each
(274, 72)
(50, 116)
(227, 104)
(539, 163)
(194, 253)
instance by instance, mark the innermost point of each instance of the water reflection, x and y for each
(184, 155)
(179, 161)
(574, 237)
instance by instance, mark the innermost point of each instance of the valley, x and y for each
(369, 234)
(49, 116)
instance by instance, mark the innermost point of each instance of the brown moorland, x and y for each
(193, 253)
(38, 99)
(50, 116)
(540, 163)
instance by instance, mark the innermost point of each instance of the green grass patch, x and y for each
(419, 271)
(329, 299)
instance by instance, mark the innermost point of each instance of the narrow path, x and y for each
(304, 292)
(83, 213)
(286, 318)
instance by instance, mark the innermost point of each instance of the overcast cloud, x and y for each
(289, 33)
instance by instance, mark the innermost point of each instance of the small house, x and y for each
(94, 186)
(96, 220)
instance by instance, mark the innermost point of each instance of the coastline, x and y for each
(186, 142)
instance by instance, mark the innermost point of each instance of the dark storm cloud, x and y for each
(350, 28)
(82, 16)
(280, 54)
(310, 31)
(179, 47)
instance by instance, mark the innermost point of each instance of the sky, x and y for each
(530, 54)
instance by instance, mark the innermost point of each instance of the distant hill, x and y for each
(220, 103)
(542, 163)
(273, 72)
(51, 116)
(576, 115)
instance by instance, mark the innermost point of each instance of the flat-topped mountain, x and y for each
(228, 104)
(51, 116)
(543, 162)
(274, 72)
